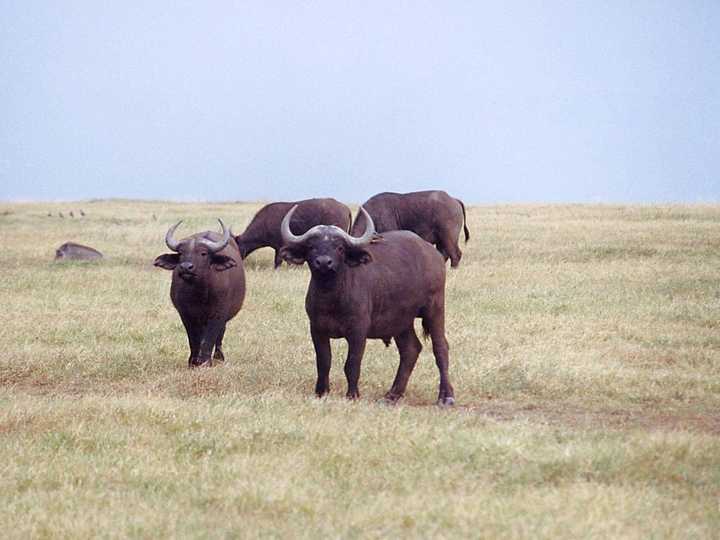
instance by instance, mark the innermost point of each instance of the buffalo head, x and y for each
(196, 255)
(326, 248)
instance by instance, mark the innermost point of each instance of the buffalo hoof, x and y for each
(201, 363)
(390, 399)
(321, 391)
(446, 401)
(218, 356)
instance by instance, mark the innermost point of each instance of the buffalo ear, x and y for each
(357, 256)
(294, 254)
(222, 262)
(168, 261)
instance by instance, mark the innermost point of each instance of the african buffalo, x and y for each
(208, 288)
(434, 216)
(70, 251)
(371, 287)
(264, 229)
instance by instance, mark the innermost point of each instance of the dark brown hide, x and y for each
(207, 290)
(374, 292)
(70, 251)
(433, 215)
(264, 228)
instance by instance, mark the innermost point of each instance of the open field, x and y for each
(585, 355)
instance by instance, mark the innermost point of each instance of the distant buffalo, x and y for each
(264, 228)
(70, 251)
(371, 287)
(434, 216)
(208, 288)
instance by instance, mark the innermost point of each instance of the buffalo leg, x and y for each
(323, 358)
(442, 252)
(450, 249)
(218, 354)
(441, 350)
(278, 258)
(455, 258)
(212, 330)
(409, 347)
(194, 338)
(356, 349)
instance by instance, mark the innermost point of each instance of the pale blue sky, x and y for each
(492, 101)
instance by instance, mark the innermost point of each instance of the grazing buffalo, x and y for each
(208, 288)
(264, 229)
(434, 216)
(70, 251)
(371, 287)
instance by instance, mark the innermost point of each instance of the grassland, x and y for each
(585, 355)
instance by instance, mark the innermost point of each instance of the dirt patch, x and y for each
(212, 383)
(577, 418)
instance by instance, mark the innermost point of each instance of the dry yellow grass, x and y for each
(585, 355)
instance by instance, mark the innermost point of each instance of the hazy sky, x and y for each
(493, 101)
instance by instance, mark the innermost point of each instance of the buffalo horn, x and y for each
(217, 246)
(367, 236)
(169, 240)
(289, 238)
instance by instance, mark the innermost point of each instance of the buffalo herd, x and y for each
(369, 279)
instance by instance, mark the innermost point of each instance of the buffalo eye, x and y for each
(203, 254)
(341, 250)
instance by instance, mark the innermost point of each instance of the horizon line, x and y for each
(93, 200)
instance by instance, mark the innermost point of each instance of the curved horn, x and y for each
(288, 237)
(169, 240)
(367, 236)
(217, 246)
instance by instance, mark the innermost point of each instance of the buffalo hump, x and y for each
(264, 228)
(434, 216)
